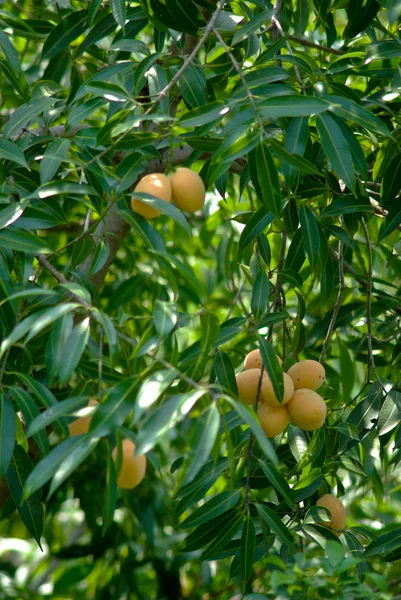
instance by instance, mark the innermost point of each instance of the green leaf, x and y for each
(391, 222)
(100, 256)
(272, 367)
(53, 157)
(209, 531)
(210, 328)
(236, 145)
(384, 543)
(295, 142)
(296, 253)
(253, 25)
(27, 405)
(24, 114)
(213, 508)
(185, 15)
(73, 350)
(11, 151)
(260, 295)
(278, 482)
(227, 534)
(111, 490)
(67, 31)
(19, 84)
(390, 413)
(30, 511)
(360, 16)
(119, 10)
(276, 525)
(248, 543)
(93, 10)
(265, 172)
(10, 214)
(7, 432)
(249, 417)
(57, 188)
(167, 208)
(346, 205)
(70, 462)
(166, 416)
(165, 315)
(225, 372)
(152, 389)
(297, 442)
(83, 111)
(292, 106)
(256, 224)
(391, 184)
(351, 111)
(128, 170)
(336, 149)
(299, 163)
(10, 53)
(202, 442)
(53, 413)
(311, 236)
(23, 241)
(114, 409)
(35, 323)
(204, 114)
(302, 16)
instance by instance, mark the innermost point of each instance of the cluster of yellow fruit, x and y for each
(133, 468)
(184, 187)
(301, 404)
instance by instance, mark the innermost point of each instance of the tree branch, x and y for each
(309, 44)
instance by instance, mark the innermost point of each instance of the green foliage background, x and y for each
(290, 112)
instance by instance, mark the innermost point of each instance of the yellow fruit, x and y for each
(337, 510)
(253, 360)
(269, 396)
(247, 383)
(156, 184)
(82, 424)
(307, 374)
(188, 189)
(133, 468)
(273, 419)
(307, 409)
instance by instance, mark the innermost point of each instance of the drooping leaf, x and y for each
(336, 149)
(7, 432)
(310, 234)
(272, 367)
(203, 440)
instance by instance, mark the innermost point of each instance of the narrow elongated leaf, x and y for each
(202, 444)
(7, 432)
(83, 111)
(151, 390)
(11, 151)
(204, 114)
(230, 531)
(164, 207)
(51, 414)
(225, 372)
(213, 508)
(296, 253)
(351, 111)
(70, 462)
(278, 482)
(276, 525)
(347, 205)
(391, 222)
(56, 188)
(23, 242)
(302, 16)
(248, 543)
(295, 142)
(260, 295)
(299, 163)
(10, 214)
(166, 416)
(256, 224)
(24, 114)
(391, 184)
(53, 157)
(209, 531)
(165, 315)
(27, 405)
(249, 417)
(10, 53)
(311, 236)
(267, 177)
(31, 510)
(292, 106)
(272, 367)
(73, 349)
(111, 490)
(68, 30)
(387, 542)
(390, 413)
(336, 149)
(119, 10)
(253, 25)
(113, 411)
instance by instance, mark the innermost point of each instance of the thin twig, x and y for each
(337, 305)
(325, 49)
(277, 25)
(369, 289)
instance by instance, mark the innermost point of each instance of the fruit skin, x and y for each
(273, 419)
(253, 360)
(247, 383)
(269, 396)
(188, 189)
(156, 184)
(336, 507)
(82, 424)
(307, 374)
(133, 468)
(307, 409)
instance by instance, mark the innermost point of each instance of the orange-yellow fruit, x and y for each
(253, 360)
(156, 184)
(273, 419)
(269, 396)
(188, 189)
(133, 468)
(337, 510)
(247, 383)
(307, 409)
(307, 374)
(82, 424)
